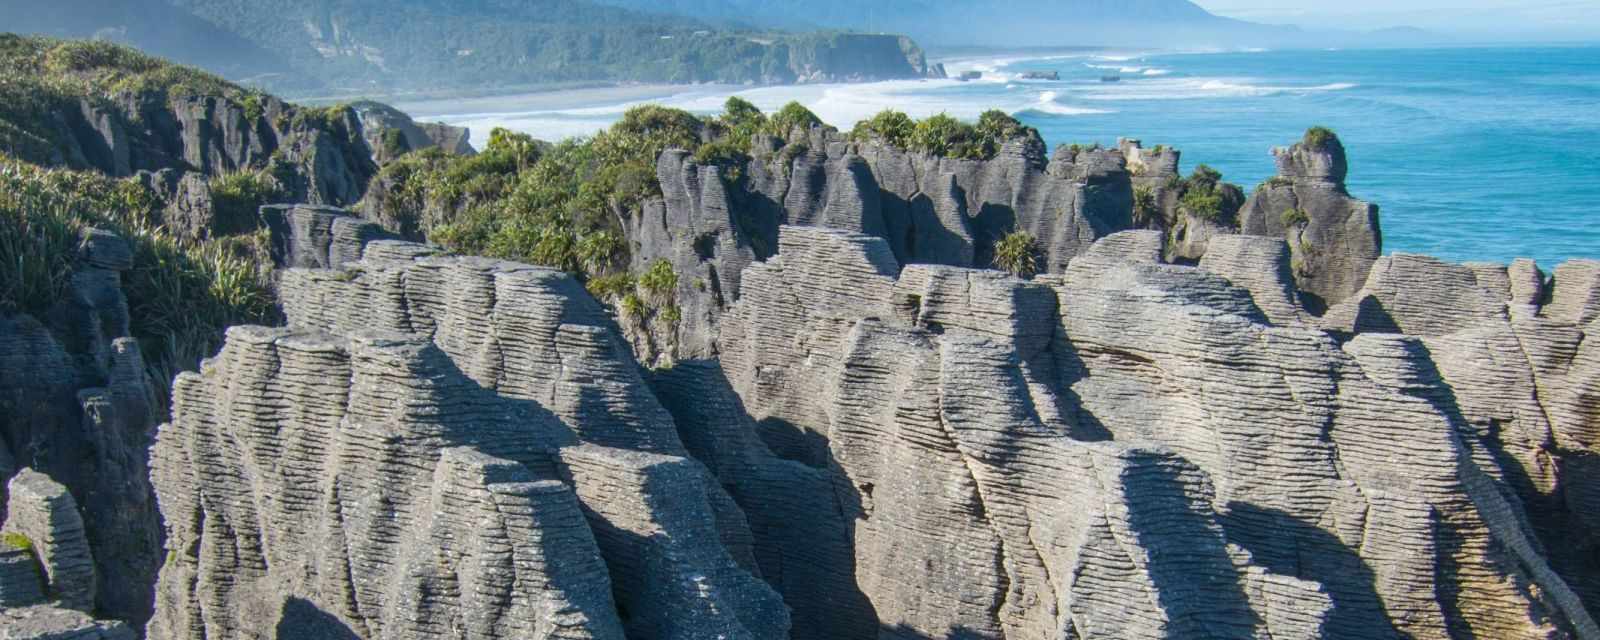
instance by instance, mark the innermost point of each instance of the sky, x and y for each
(1575, 19)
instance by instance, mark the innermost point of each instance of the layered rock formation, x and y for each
(711, 223)
(467, 445)
(1333, 237)
(76, 405)
(930, 209)
(47, 571)
(1127, 449)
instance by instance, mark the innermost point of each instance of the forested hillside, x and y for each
(368, 47)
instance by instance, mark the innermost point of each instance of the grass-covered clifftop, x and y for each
(44, 79)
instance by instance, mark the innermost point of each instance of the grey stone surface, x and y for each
(1333, 251)
(44, 622)
(21, 578)
(42, 512)
(76, 404)
(1313, 477)
(388, 362)
(312, 236)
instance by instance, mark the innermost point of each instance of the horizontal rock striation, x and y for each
(47, 571)
(76, 405)
(714, 221)
(1126, 448)
(1316, 488)
(467, 446)
(929, 209)
(1333, 237)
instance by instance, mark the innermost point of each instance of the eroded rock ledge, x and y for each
(458, 447)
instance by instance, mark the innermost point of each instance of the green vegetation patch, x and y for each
(1320, 138)
(1145, 206)
(1201, 194)
(236, 199)
(1018, 253)
(1295, 218)
(16, 541)
(943, 135)
(181, 293)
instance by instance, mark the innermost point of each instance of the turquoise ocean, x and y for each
(1472, 153)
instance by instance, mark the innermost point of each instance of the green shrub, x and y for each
(1018, 253)
(181, 293)
(237, 198)
(16, 541)
(670, 315)
(394, 143)
(791, 116)
(1295, 218)
(1202, 203)
(1204, 178)
(892, 127)
(633, 308)
(1319, 138)
(659, 282)
(1145, 207)
(942, 135)
(610, 287)
(1201, 196)
(999, 125)
(724, 152)
(741, 121)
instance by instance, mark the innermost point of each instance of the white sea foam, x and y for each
(1159, 88)
(845, 104)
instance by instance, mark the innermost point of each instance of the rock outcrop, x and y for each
(1333, 237)
(467, 445)
(712, 222)
(47, 572)
(929, 209)
(1124, 449)
(1209, 402)
(41, 515)
(76, 405)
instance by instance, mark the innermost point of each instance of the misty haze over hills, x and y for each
(348, 47)
(1009, 23)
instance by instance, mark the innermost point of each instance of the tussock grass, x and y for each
(181, 293)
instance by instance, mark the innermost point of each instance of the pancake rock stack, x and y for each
(459, 447)
(47, 571)
(1333, 237)
(77, 407)
(712, 221)
(441, 447)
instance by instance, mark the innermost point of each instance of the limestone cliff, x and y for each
(1333, 237)
(712, 221)
(1125, 449)
(76, 407)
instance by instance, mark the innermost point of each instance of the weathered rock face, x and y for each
(316, 156)
(47, 571)
(936, 210)
(1126, 449)
(389, 133)
(467, 445)
(1334, 238)
(929, 209)
(952, 401)
(76, 405)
